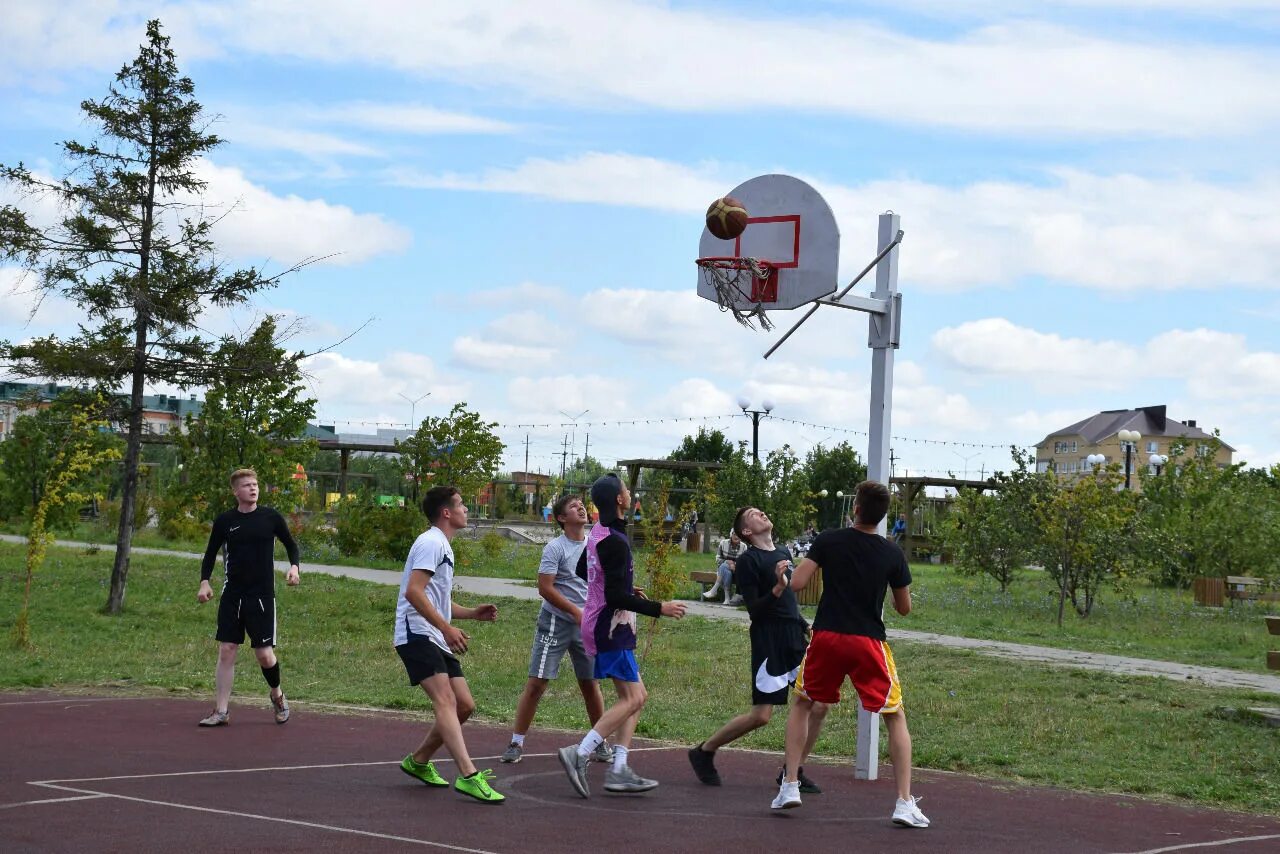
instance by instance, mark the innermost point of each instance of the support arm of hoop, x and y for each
(870, 305)
(836, 299)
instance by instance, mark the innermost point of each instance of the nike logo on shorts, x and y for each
(767, 683)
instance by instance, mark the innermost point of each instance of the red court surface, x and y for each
(135, 774)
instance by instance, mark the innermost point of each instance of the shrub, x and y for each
(364, 529)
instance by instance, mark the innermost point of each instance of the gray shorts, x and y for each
(555, 636)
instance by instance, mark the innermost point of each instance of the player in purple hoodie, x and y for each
(609, 633)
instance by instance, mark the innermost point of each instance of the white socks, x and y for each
(590, 742)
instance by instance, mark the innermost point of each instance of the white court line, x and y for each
(280, 768)
(290, 821)
(214, 771)
(1188, 846)
(72, 699)
(50, 801)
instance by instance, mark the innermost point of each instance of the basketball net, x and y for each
(735, 281)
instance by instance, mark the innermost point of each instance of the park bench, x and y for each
(1273, 656)
(1243, 588)
(704, 577)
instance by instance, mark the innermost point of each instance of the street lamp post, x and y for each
(1095, 460)
(573, 442)
(413, 408)
(756, 415)
(1129, 439)
(1157, 462)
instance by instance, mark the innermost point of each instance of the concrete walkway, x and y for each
(1214, 677)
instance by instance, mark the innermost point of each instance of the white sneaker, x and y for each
(788, 796)
(712, 593)
(907, 814)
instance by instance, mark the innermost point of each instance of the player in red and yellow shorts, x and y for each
(859, 568)
(866, 661)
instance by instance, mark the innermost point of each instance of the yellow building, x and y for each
(1067, 451)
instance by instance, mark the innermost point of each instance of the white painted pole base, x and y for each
(866, 764)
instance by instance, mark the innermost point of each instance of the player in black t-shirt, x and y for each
(247, 537)
(778, 637)
(858, 567)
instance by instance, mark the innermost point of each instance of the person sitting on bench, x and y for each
(726, 561)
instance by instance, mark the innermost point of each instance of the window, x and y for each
(1074, 449)
(1042, 466)
(1153, 447)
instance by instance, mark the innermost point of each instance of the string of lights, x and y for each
(625, 422)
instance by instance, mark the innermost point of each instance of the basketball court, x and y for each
(103, 773)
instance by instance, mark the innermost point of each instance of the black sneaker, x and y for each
(807, 786)
(704, 765)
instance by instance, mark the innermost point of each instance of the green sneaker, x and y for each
(477, 786)
(426, 772)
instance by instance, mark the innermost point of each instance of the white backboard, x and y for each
(791, 226)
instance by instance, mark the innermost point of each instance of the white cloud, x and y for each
(545, 397)
(520, 296)
(608, 179)
(1213, 365)
(486, 354)
(25, 310)
(290, 228)
(415, 119)
(529, 328)
(996, 347)
(348, 387)
(994, 76)
(1114, 233)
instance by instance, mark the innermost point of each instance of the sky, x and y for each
(507, 199)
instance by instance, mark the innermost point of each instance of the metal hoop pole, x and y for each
(867, 269)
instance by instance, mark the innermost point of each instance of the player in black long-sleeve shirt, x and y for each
(246, 536)
(778, 637)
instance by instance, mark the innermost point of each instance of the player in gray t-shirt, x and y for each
(559, 630)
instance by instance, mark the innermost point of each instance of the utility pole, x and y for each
(564, 456)
(586, 451)
(892, 462)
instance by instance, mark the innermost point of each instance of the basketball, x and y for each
(726, 218)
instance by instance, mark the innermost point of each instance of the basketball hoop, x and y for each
(742, 286)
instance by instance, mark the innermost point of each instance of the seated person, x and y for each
(726, 562)
(899, 528)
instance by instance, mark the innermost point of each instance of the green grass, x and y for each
(1076, 729)
(1157, 623)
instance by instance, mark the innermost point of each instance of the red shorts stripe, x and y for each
(867, 662)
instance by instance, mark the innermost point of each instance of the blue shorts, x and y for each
(617, 664)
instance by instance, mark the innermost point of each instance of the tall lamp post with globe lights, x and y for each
(1129, 440)
(1157, 462)
(756, 415)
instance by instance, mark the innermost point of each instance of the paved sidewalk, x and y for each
(1214, 677)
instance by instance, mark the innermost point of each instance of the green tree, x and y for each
(459, 450)
(79, 452)
(735, 486)
(1197, 519)
(251, 419)
(1085, 529)
(833, 469)
(707, 446)
(131, 250)
(786, 493)
(584, 471)
(27, 458)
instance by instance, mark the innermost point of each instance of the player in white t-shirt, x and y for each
(429, 645)
(559, 630)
